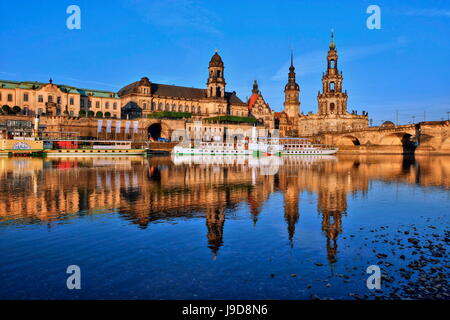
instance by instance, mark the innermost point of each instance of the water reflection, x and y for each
(146, 191)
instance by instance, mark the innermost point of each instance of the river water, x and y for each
(225, 228)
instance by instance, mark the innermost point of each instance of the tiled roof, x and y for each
(176, 92)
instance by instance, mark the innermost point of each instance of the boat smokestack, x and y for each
(254, 133)
(36, 126)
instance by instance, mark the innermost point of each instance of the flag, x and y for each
(117, 126)
(136, 125)
(127, 127)
(108, 126)
(99, 125)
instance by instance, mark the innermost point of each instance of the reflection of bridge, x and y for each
(423, 137)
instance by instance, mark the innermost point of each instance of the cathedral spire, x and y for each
(332, 44)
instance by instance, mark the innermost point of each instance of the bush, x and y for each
(16, 109)
(107, 114)
(169, 115)
(99, 114)
(232, 119)
(82, 113)
(91, 113)
(6, 109)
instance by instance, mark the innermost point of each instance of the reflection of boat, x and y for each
(266, 165)
(308, 158)
(225, 160)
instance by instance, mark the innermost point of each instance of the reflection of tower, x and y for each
(291, 214)
(215, 219)
(255, 208)
(332, 204)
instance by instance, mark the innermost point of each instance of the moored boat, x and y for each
(81, 148)
(301, 146)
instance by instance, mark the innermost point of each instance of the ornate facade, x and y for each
(332, 115)
(142, 98)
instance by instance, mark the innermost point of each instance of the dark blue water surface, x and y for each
(163, 228)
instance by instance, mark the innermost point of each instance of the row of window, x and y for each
(97, 104)
(174, 108)
(50, 99)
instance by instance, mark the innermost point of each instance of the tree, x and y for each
(6, 109)
(82, 113)
(16, 109)
(90, 113)
(99, 114)
(107, 114)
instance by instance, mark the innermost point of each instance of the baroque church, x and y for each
(332, 114)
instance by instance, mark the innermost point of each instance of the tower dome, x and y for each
(216, 60)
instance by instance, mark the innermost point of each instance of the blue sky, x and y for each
(404, 66)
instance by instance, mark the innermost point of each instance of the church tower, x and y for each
(216, 81)
(332, 101)
(291, 93)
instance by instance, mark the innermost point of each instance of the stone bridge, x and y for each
(423, 137)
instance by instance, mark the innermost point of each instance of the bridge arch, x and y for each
(397, 139)
(446, 143)
(154, 131)
(348, 140)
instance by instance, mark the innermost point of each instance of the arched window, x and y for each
(218, 92)
(115, 106)
(199, 110)
(218, 73)
(193, 109)
(331, 86)
(167, 107)
(153, 106)
(332, 107)
(180, 108)
(50, 99)
(160, 106)
(144, 106)
(332, 64)
(174, 107)
(186, 108)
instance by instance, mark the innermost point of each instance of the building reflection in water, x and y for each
(144, 191)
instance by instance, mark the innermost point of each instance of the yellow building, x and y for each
(57, 100)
